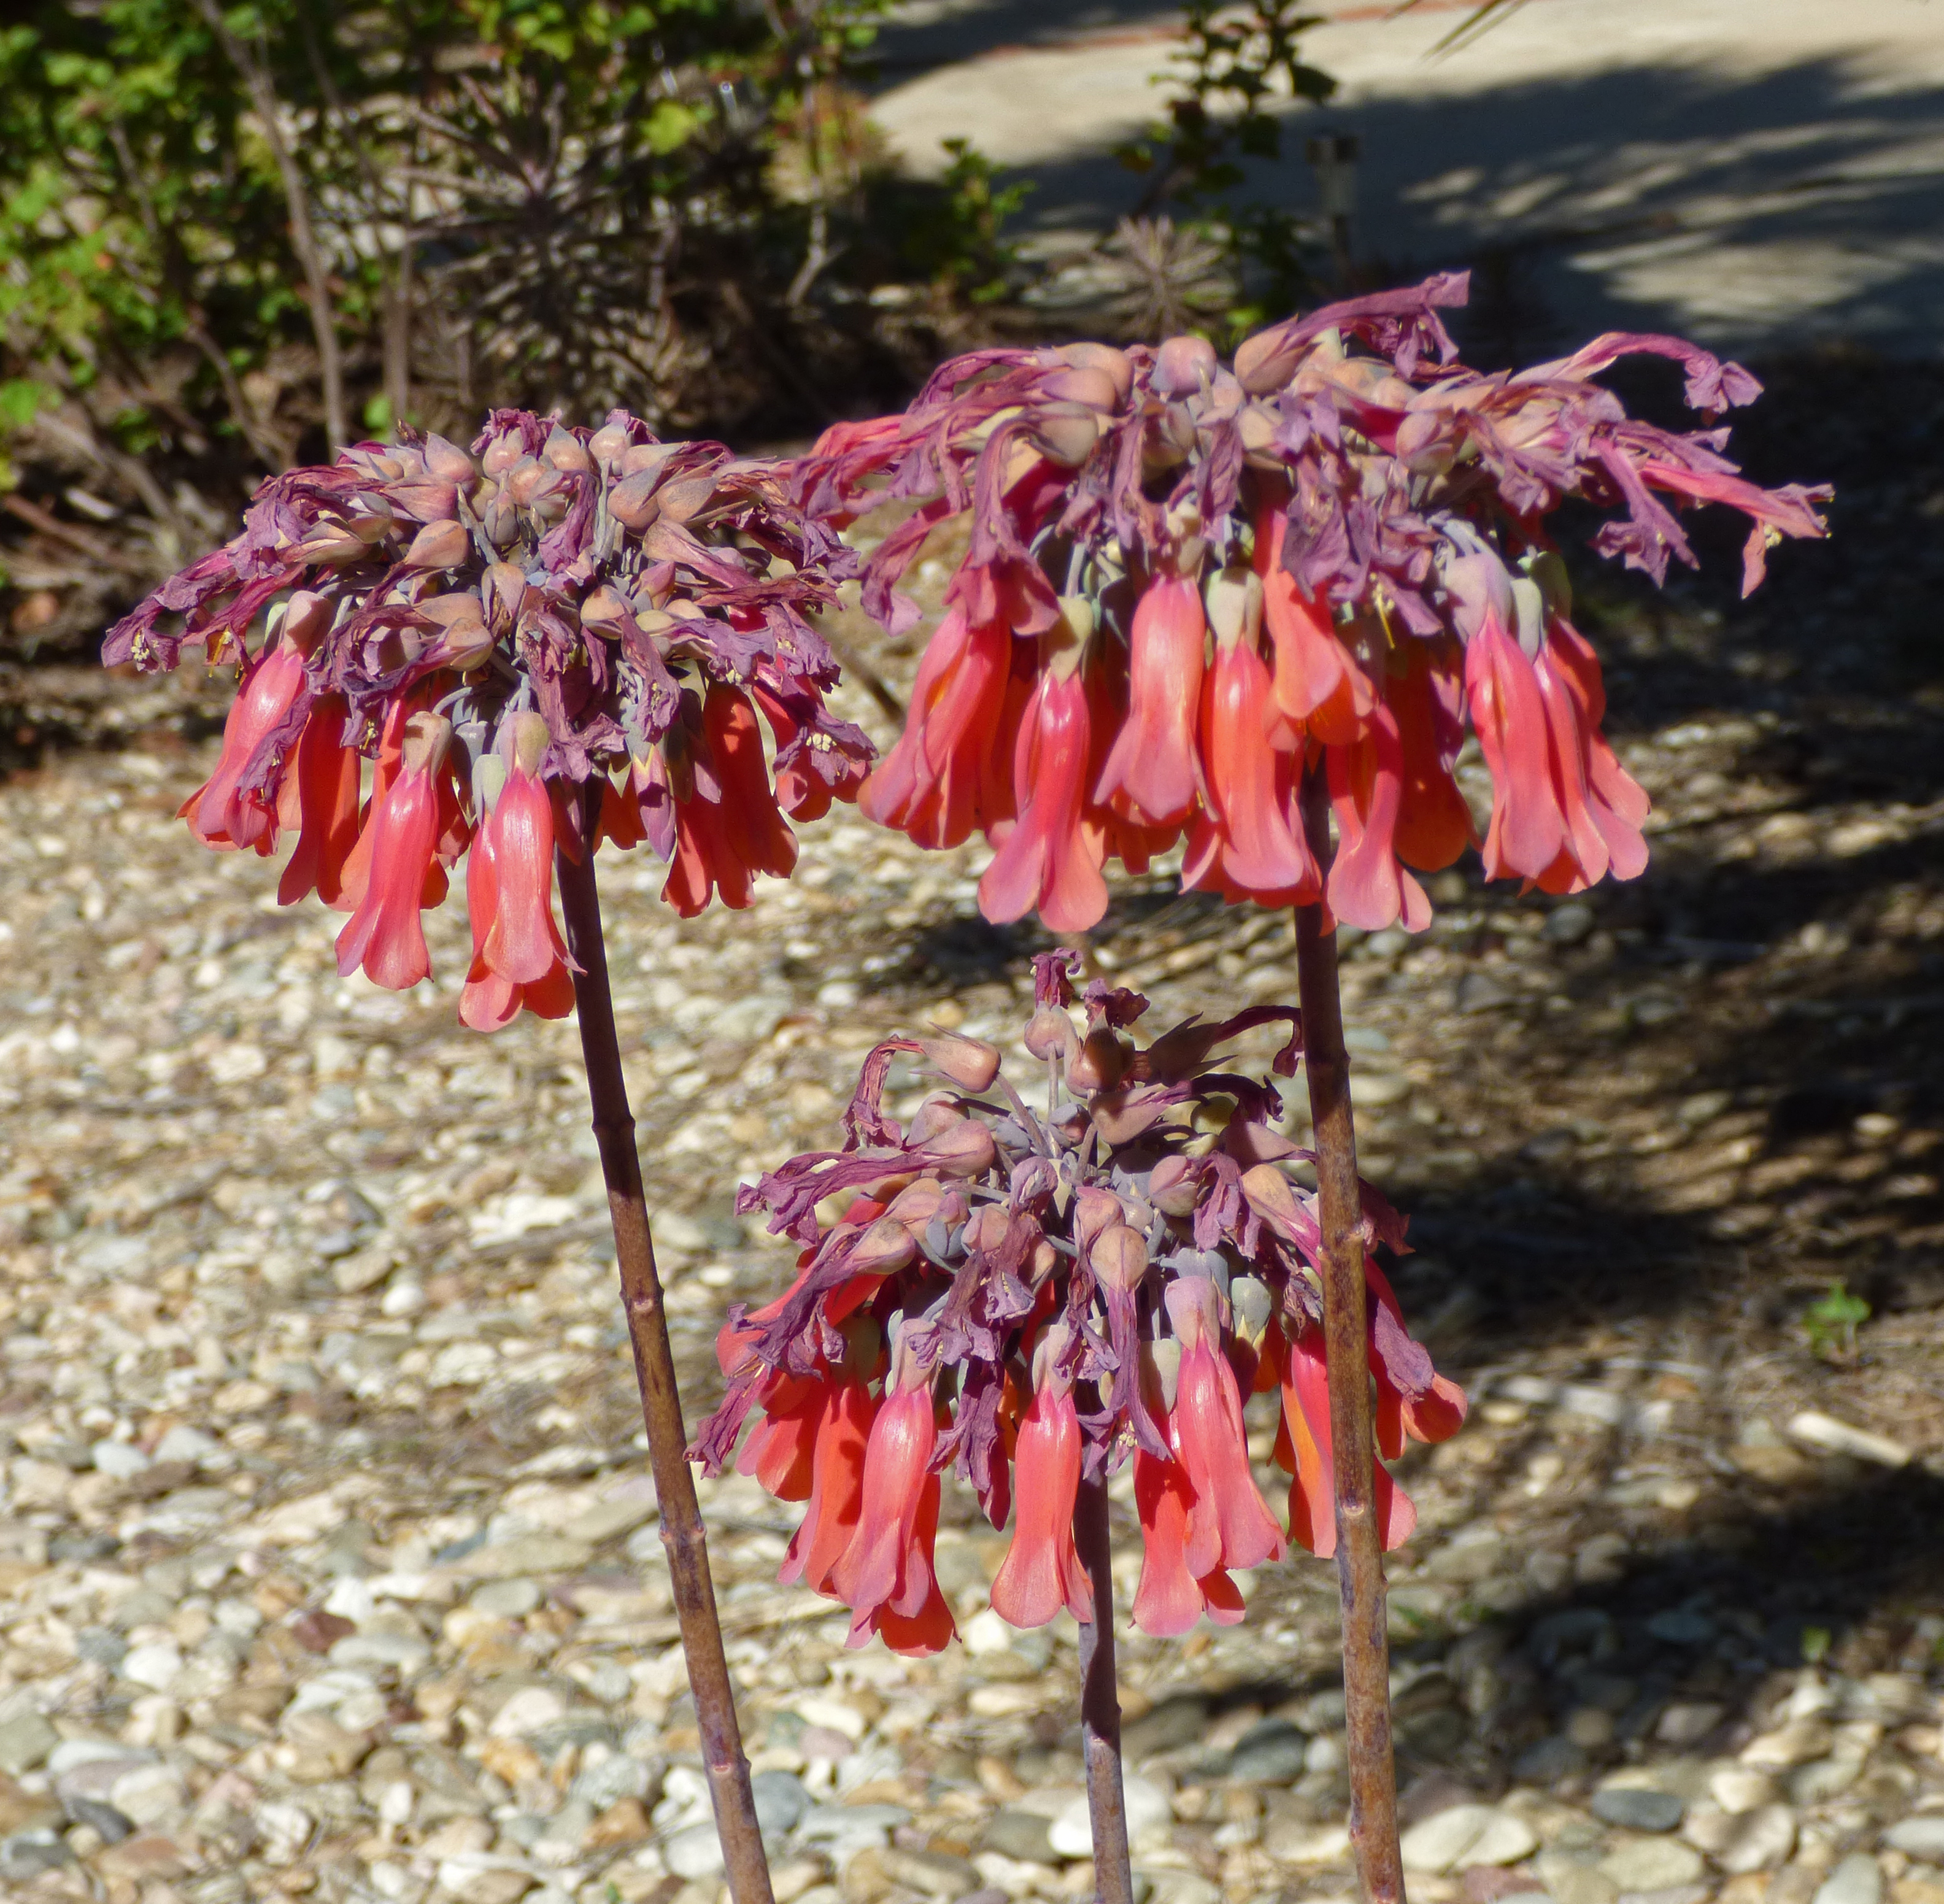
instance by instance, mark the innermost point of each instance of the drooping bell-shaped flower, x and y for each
(886, 1570)
(319, 801)
(1041, 1573)
(1246, 841)
(949, 771)
(1368, 887)
(1228, 1524)
(836, 1498)
(220, 812)
(1319, 685)
(383, 935)
(728, 829)
(1170, 1599)
(1150, 773)
(519, 959)
(1051, 860)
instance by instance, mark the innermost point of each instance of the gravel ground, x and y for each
(328, 1564)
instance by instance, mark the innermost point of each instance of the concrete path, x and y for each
(1752, 172)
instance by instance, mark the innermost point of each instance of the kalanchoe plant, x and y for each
(1026, 1299)
(559, 609)
(562, 637)
(1231, 608)
(1187, 580)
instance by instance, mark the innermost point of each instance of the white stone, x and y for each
(1467, 1835)
(1836, 1437)
(528, 1709)
(148, 1796)
(694, 1852)
(184, 1443)
(1921, 1837)
(1856, 1880)
(154, 1666)
(123, 1459)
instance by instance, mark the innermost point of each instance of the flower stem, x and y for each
(1100, 1702)
(1360, 1562)
(682, 1529)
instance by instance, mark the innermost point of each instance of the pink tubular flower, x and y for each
(519, 959)
(1227, 1525)
(1306, 1436)
(722, 842)
(1527, 832)
(1052, 857)
(1319, 688)
(1601, 804)
(1367, 888)
(320, 799)
(939, 782)
(1247, 842)
(384, 935)
(1041, 1573)
(220, 812)
(1149, 776)
(1427, 697)
(885, 1573)
(1170, 1599)
(836, 1498)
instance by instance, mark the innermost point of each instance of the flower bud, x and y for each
(604, 607)
(986, 1228)
(1266, 361)
(502, 591)
(884, 1249)
(1066, 432)
(934, 1116)
(641, 457)
(968, 1061)
(530, 740)
(1160, 1373)
(1250, 1303)
(1094, 1209)
(966, 1150)
(1235, 605)
(446, 462)
(1183, 365)
(1115, 364)
(439, 545)
(1272, 1197)
(301, 621)
(1172, 1188)
(608, 443)
(1101, 1063)
(632, 502)
(1050, 1035)
(683, 501)
(566, 451)
(1120, 1258)
(528, 481)
(502, 452)
(1084, 383)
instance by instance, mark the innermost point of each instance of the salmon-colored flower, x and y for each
(384, 935)
(1367, 888)
(888, 1563)
(220, 812)
(836, 1498)
(1527, 831)
(1228, 1524)
(1041, 1573)
(1170, 1599)
(725, 838)
(1427, 696)
(949, 771)
(1150, 774)
(1246, 841)
(1050, 860)
(519, 959)
(319, 799)
(1304, 1448)
(1601, 803)
(781, 1450)
(1318, 686)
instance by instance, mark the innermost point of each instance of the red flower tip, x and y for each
(726, 835)
(1150, 773)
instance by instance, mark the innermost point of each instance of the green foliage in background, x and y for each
(575, 201)
(1832, 1321)
(1233, 75)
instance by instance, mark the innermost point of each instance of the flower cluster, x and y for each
(1187, 583)
(1024, 1300)
(559, 609)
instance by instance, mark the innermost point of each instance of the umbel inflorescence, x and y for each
(1187, 582)
(561, 637)
(1023, 1297)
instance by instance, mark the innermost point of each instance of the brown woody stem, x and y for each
(682, 1535)
(1101, 1701)
(1360, 1560)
